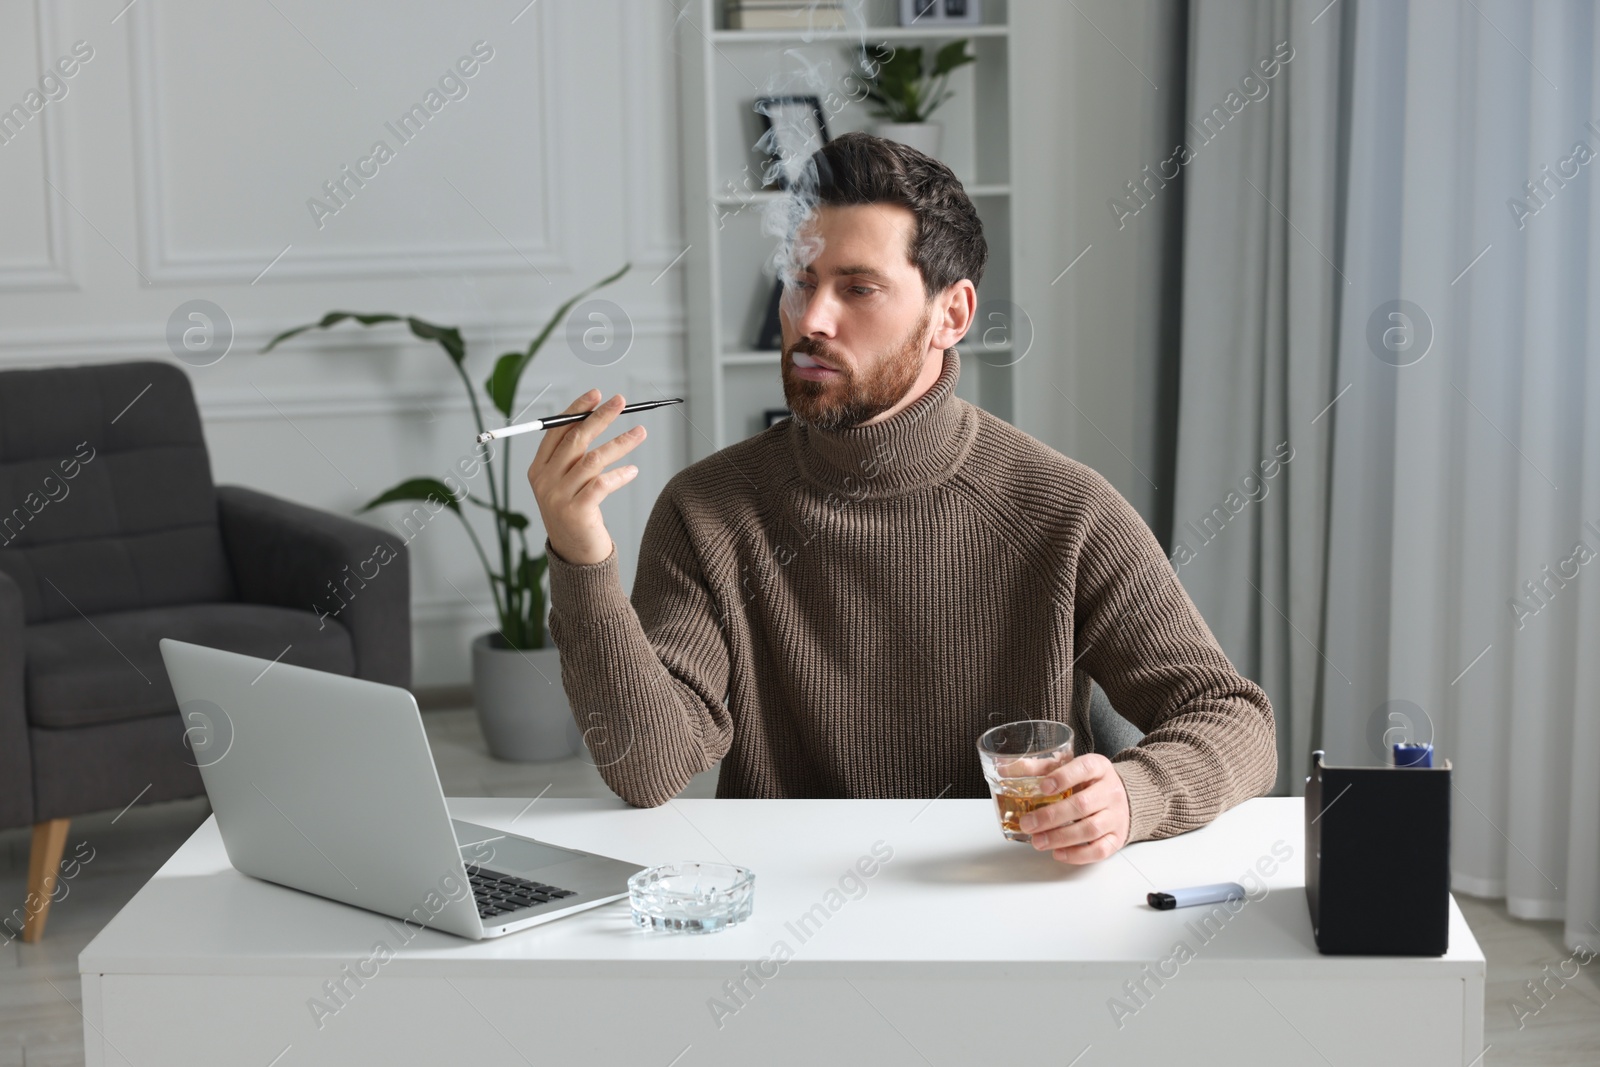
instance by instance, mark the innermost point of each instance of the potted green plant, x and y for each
(906, 94)
(516, 672)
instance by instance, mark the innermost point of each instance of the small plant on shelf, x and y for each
(897, 83)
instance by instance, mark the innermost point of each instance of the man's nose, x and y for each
(817, 316)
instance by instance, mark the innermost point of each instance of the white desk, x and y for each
(965, 948)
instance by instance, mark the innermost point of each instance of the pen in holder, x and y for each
(1378, 859)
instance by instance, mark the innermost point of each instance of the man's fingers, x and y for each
(1092, 852)
(1080, 771)
(604, 484)
(605, 455)
(552, 438)
(577, 478)
(1026, 766)
(1079, 832)
(578, 436)
(1080, 805)
(1090, 793)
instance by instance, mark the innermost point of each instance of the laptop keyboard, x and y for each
(498, 894)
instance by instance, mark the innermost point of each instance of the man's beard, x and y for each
(850, 398)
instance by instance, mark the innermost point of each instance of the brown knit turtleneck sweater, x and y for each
(842, 614)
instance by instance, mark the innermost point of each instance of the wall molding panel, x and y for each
(655, 239)
(92, 344)
(53, 270)
(303, 260)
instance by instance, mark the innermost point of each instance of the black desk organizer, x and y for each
(1378, 859)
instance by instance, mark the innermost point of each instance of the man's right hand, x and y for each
(569, 479)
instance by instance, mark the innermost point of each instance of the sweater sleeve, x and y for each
(1210, 738)
(646, 679)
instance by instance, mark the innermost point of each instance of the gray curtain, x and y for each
(1406, 230)
(1259, 283)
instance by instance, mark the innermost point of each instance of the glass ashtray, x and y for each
(691, 898)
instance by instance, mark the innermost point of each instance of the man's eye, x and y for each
(861, 290)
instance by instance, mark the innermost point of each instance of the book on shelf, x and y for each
(784, 15)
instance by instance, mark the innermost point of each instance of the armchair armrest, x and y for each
(292, 556)
(16, 765)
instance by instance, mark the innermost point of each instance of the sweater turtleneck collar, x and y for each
(913, 448)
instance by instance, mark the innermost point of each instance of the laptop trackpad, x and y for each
(506, 853)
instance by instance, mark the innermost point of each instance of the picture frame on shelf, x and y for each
(941, 12)
(793, 127)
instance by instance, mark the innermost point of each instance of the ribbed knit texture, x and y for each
(842, 614)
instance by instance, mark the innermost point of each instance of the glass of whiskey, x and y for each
(1017, 757)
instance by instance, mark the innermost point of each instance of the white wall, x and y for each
(183, 153)
(182, 157)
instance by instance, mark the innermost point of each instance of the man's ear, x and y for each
(953, 312)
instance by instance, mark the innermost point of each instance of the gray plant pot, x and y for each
(522, 708)
(923, 136)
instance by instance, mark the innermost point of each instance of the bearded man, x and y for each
(840, 605)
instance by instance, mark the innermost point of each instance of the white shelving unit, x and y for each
(727, 271)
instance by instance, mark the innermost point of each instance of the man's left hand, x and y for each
(1090, 824)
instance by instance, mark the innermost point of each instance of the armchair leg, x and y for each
(44, 867)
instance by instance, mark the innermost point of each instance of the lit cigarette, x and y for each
(563, 420)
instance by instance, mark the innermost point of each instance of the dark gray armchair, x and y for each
(112, 536)
(1112, 733)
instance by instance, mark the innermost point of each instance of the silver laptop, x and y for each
(326, 784)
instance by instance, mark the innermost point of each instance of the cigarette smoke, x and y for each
(786, 216)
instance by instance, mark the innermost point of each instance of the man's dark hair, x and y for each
(948, 245)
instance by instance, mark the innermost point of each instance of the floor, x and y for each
(40, 1025)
